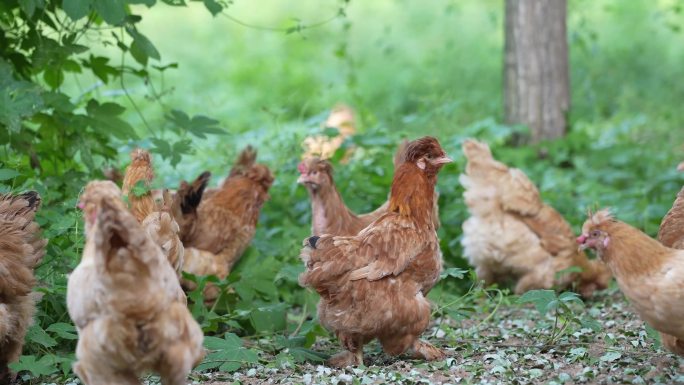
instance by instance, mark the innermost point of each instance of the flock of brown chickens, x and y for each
(372, 271)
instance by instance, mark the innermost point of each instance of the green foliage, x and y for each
(563, 313)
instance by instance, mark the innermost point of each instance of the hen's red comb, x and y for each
(302, 168)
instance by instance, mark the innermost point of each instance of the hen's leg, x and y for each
(353, 356)
(426, 351)
(484, 274)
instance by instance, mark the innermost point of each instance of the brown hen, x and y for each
(226, 218)
(21, 248)
(373, 285)
(158, 221)
(649, 274)
(513, 234)
(123, 298)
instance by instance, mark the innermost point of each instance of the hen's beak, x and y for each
(680, 167)
(441, 160)
(580, 241)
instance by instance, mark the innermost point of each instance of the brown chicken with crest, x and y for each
(123, 299)
(157, 220)
(373, 285)
(226, 218)
(21, 248)
(649, 274)
(513, 234)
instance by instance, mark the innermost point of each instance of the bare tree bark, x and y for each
(536, 79)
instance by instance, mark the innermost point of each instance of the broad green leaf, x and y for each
(142, 48)
(213, 7)
(227, 354)
(63, 330)
(76, 9)
(37, 335)
(301, 354)
(111, 11)
(6, 174)
(45, 366)
(540, 298)
(28, 6)
(19, 99)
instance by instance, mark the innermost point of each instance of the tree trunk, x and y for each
(536, 80)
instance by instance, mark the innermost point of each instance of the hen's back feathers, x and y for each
(671, 233)
(20, 243)
(21, 248)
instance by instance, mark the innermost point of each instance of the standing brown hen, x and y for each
(123, 299)
(159, 222)
(226, 218)
(373, 285)
(512, 233)
(21, 248)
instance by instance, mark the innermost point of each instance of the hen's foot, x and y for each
(346, 358)
(426, 351)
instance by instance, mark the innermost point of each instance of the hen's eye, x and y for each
(595, 233)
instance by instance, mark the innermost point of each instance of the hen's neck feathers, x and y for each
(631, 252)
(327, 207)
(413, 193)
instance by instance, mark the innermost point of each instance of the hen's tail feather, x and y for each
(190, 195)
(245, 160)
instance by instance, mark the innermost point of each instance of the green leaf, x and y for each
(63, 330)
(6, 174)
(213, 7)
(53, 76)
(301, 354)
(111, 11)
(227, 354)
(142, 48)
(148, 3)
(45, 366)
(76, 9)
(540, 298)
(453, 272)
(28, 6)
(198, 125)
(610, 356)
(269, 318)
(37, 335)
(19, 99)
